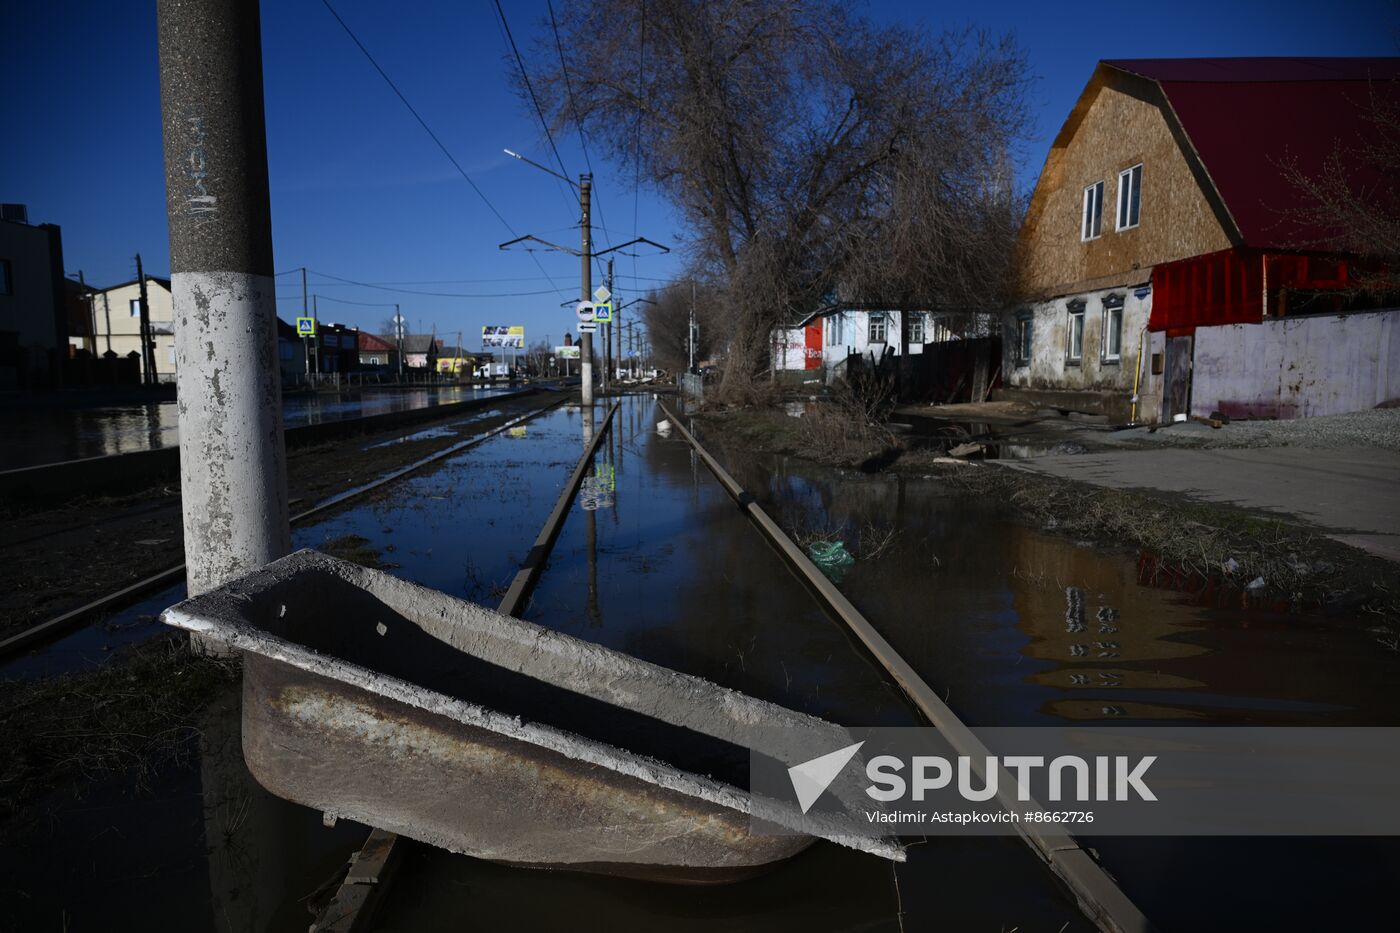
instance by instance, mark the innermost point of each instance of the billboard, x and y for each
(566, 353)
(498, 337)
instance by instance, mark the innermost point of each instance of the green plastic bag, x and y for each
(831, 557)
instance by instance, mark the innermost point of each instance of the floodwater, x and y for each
(1012, 625)
(35, 436)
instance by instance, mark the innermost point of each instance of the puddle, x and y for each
(1013, 626)
(201, 847)
(94, 644)
(46, 435)
(1018, 627)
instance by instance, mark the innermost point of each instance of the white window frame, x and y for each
(1025, 339)
(136, 307)
(1091, 219)
(1112, 325)
(877, 319)
(1074, 348)
(916, 328)
(1129, 214)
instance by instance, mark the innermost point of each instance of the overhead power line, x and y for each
(530, 88)
(578, 124)
(410, 291)
(362, 304)
(427, 129)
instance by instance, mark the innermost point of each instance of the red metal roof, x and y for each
(1243, 116)
(373, 343)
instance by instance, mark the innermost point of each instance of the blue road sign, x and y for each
(306, 326)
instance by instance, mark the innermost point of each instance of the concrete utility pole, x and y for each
(398, 338)
(692, 330)
(233, 464)
(607, 329)
(585, 192)
(148, 350)
(616, 328)
(585, 254)
(305, 341)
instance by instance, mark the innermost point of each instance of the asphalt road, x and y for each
(1352, 493)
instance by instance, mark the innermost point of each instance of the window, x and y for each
(1112, 344)
(1129, 197)
(136, 307)
(916, 328)
(835, 335)
(172, 354)
(6, 286)
(1075, 350)
(877, 327)
(1093, 212)
(1025, 333)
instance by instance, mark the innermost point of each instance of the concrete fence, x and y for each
(1297, 367)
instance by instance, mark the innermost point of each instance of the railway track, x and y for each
(1098, 894)
(119, 599)
(371, 869)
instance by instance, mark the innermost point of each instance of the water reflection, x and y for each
(1018, 626)
(48, 435)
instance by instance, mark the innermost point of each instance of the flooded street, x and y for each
(50, 435)
(1013, 626)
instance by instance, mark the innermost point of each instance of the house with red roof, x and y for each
(1169, 267)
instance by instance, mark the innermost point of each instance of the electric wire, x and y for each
(427, 129)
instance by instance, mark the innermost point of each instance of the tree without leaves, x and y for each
(1352, 199)
(814, 155)
(667, 322)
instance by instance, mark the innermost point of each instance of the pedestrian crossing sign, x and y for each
(602, 313)
(306, 326)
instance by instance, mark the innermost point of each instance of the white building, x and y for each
(825, 340)
(116, 313)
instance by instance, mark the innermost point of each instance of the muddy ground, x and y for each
(58, 558)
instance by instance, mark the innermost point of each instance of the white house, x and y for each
(116, 313)
(825, 340)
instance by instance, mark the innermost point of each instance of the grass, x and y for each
(135, 714)
(358, 550)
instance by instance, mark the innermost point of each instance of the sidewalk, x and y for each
(1351, 493)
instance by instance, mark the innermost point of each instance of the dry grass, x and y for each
(849, 428)
(133, 715)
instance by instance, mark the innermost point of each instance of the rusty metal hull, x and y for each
(337, 716)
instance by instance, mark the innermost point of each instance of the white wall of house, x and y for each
(1102, 357)
(793, 350)
(1297, 367)
(116, 315)
(870, 332)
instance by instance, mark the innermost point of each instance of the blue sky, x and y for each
(359, 191)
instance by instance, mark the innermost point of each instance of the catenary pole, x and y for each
(585, 191)
(233, 465)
